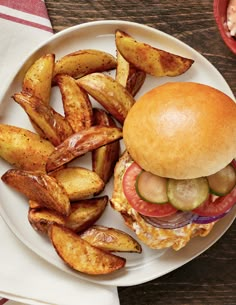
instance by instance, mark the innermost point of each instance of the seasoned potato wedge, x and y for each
(76, 103)
(80, 255)
(23, 148)
(80, 63)
(41, 219)
(39, 187)
(105, 157)
(53, 126)
(151, 60)
(78, 182)
(80, 143)
(128, 76)
(111, 239)
(35, 205)
(109, 93)
(38, 78)
(135, 80)
(84, 213)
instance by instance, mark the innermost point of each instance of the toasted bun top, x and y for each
(182, 130)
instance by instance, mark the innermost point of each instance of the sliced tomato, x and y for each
(217, 207)
(141, 206)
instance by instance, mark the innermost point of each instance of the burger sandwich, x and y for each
(177, 176)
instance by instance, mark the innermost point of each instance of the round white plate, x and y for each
(150, 264)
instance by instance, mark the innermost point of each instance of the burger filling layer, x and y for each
(170, 203)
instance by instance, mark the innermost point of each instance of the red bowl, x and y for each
(220, 9)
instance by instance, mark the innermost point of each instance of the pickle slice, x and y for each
(222, 182)
(188, 194)
(151, 188)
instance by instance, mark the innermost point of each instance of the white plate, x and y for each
(150, 264)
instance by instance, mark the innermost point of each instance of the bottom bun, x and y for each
(153, 237)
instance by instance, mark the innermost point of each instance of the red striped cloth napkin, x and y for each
(25, 277)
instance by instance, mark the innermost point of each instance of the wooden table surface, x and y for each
(210, 279)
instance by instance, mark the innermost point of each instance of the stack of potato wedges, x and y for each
(65, 201)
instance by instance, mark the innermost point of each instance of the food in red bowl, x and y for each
(225, 16)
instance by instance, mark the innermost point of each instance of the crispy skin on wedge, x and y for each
(128, 76)
(41, 219)
(109, 93)
(38, 79)
(83, 62)
(34, 204)
(80, 255)
(76, 103)
(86, 212)
(80, 143)
(24, 149)
(111, 239)
(83, 214)
(105, 157)
(151, 60)
(39, 187)
(52, 125)
(78, 182)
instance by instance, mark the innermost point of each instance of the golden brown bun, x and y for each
(153, 237)
(182, 130)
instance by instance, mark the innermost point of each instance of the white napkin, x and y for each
(25, 277)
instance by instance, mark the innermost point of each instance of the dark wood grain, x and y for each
(210, 279)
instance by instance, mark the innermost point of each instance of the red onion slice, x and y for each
(207, 219)
(177, 220)
(180, 219)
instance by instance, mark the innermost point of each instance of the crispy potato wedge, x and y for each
(84, 213)
(53, 126)
(151, 60)
(23, 148)
(76, 103)
(63, 127)
(78, 182)
(105, 157)
(109, 93)
(39, 187)
(83, 62)
(40, 219)
(80, 255)
(35, 205)
(80, 143)
(110, 239)
(38, 78)
(135, 81)
(128, 76)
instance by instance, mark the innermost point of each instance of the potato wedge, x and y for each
(84, 213)
(54, 126)
(35, 205)
(80, 255)
(80, 143)
(76, 103)
(128, 76)
(83, 62)
(24, 149)
(38, 78)
(135, 81)
(110, 239)
(109, 93)
(39, 187)
(78, 182)
(41, 219)
(105, 157)
(151, 60)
